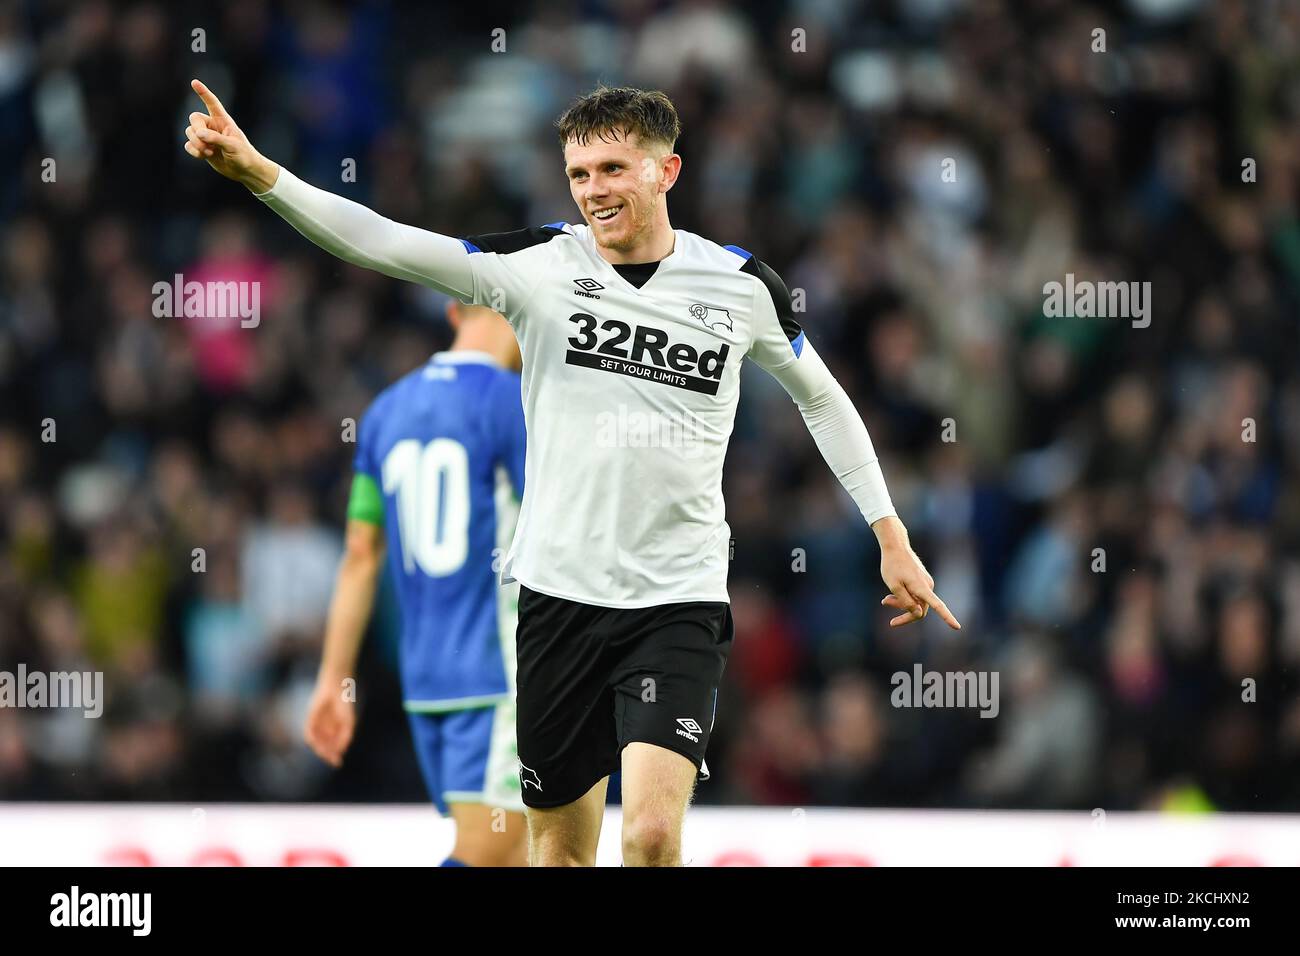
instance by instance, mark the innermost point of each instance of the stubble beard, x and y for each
(640, 224)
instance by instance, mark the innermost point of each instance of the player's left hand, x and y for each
(912, 588)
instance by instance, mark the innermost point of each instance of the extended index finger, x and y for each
(209, 99)
(932, 599)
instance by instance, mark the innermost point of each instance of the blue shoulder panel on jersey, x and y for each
(739, 251)
(555, 225)
(469, 246)
(797, 344)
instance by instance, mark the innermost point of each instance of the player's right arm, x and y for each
(332, 716)
(344, 228)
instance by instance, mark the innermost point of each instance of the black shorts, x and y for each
(592, 680)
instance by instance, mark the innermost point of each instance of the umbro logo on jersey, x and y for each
(648, 354)
(527, 775)
(689, 729)
(713, 319)
(586, 288)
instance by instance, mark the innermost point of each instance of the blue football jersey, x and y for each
(445, 447)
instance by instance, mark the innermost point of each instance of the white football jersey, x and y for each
(629, 398)
(629, 391)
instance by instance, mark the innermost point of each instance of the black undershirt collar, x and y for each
(637, 273)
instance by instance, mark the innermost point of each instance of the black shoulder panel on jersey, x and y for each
(779, 293)
(505, 242)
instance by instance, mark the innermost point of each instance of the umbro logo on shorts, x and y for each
(527, 775)
(689, 729)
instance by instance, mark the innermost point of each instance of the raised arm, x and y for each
(344, 228)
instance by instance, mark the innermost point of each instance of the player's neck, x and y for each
(656, 244)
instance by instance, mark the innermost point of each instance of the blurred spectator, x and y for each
(289, 562)
(1047, 748)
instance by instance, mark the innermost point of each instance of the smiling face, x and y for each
(619, 185)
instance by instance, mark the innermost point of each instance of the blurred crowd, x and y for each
(1112, 511)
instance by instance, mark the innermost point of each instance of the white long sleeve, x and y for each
(364, 238)
(838, 430)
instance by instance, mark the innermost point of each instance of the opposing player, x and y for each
(622, 545)
(440, 457)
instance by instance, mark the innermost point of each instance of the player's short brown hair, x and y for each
(620, 110)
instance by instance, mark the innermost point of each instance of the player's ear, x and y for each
(671, 167)
(454, 314)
